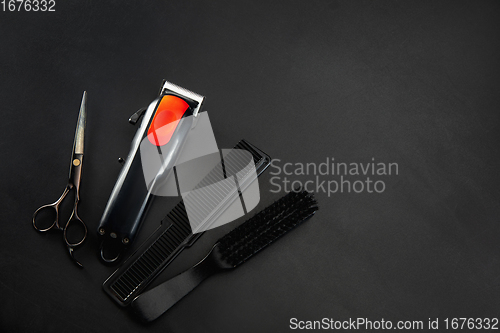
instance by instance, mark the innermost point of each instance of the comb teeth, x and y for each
(266, 227)
(155, 255)
(207, 199)
(174, 234)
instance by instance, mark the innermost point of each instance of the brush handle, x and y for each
(153, 303)
(230, 251)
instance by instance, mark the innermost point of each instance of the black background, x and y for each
(410, 82)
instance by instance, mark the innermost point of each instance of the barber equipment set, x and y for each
(160, 162)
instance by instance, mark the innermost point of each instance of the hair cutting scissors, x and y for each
(75, 172)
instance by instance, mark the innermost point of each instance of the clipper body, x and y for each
(131, 196)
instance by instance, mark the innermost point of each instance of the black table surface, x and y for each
(414, 83)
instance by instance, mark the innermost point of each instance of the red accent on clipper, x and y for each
(169, 112)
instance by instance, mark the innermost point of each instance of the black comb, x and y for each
(173, 235)
(230, 251)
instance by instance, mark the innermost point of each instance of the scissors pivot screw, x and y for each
(102, 231)
(113, 235)
(125, 241)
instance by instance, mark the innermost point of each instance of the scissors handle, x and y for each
(75, 176)
(55, 207)
(75, 220)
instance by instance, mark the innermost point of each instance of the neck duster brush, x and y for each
(230, 251)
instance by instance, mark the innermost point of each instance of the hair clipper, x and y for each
(166, 121)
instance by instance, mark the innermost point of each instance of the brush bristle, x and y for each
(266, 226)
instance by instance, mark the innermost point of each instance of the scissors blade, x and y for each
(80, 127)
